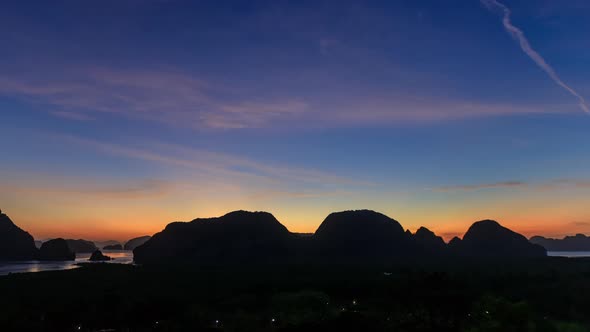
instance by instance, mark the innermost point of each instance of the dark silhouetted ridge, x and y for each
(428, 243)
(136, 242)
(56, 250)
(81, 246)
(98, 256)
(15, 243)
(361, 234)
(113, 247)
(487, 238)
(102, 244)
(579, 242)
(237, 237)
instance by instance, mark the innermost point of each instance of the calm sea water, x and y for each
(119, 257)
(126, 257)
(571, 254)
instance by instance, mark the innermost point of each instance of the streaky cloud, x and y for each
(132, 189)
(472, 187)
(539, 186)
(517, 34)
(166, 96)
(561, 183)
(215, 164)
(77, 116)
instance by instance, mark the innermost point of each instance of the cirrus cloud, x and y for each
(553, 184)
(166, 96)
(178, 99)
(526, 47)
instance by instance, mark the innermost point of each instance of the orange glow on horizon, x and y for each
(119, 215)
(125, 231)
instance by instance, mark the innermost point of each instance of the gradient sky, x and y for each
(118, 117)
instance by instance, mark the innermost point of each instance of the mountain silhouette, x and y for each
(136, 242)
(15, 243)
(428, 243)
(113, 247)
(360, 235)
(489, 239)
(454, 245)
(56, 250)
(81, 246)
(579, 242)
(237, 237)
(102, 244)
(98, 256)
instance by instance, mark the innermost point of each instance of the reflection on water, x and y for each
(126, 257)
(118, 257)
(571, 254)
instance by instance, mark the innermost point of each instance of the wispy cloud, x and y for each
(77, 116)
(252, 114)
(133, 189)
(179, 99)
(404, 109)
(517, 34)
(300, 194)
(472, 187)
(167, 96)
(562, 183)
(219, 164)
(539, 186)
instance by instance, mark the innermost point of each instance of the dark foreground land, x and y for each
(550, 294)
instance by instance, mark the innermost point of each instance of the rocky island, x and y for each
(98, 256)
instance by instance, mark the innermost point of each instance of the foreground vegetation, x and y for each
(543, 295)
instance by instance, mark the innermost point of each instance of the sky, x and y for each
(118, 117)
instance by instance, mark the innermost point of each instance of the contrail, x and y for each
(517, 34)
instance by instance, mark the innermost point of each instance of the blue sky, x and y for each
(120, 116)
